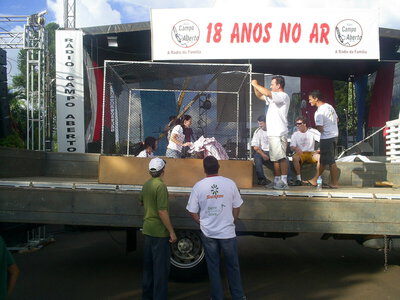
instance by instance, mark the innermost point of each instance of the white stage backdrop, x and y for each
(70, 109)
(196, 34)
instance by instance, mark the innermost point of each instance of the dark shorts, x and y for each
(328, 151)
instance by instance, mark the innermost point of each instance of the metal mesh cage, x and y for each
(140, 97)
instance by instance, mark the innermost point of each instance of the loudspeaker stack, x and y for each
(5, 122)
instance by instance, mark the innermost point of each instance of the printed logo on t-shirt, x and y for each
(215, 210)
(331, 114)
(214, 191)
(303, 142)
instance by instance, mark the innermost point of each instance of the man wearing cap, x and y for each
(215, 203)
(158, 233)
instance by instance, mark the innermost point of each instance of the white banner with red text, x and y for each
(279, 33)
(70, 96)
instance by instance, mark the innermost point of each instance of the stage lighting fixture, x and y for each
(37, 19)
(206, 104)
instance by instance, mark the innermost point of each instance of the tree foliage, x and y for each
(342, 100)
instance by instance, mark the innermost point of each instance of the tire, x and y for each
(187, 256)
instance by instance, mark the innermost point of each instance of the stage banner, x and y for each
(70, 100)
(279, 33)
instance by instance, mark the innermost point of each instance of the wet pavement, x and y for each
(93, 265)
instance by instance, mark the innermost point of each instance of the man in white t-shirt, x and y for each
(260, 146)
(302, 143)
(326, 121)
(278, 106)
(214, 203)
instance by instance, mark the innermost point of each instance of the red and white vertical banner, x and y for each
(70, 93)
(264, 33)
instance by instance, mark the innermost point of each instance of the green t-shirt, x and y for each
(154, 197)
(6, 260)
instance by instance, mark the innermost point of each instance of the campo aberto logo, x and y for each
(185, 33)
(348, 33)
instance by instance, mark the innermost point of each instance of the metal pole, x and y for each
(103, 112)
(250, 109)
(27, 102)
(39, 96)
(31, 100)
(237, 125)
(129, 121)
(353, 111)
(347, 126)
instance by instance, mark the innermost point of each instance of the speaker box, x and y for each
(5, 121)
(3, 57)
(3, 73)
(3, 89)
(94, 147)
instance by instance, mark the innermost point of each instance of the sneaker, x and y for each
(262, 181)
(280, 185)
(269, 185)
(297, 183)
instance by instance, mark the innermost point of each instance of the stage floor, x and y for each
(295, 191)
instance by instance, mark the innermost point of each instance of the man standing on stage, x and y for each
(278, 102)
(326, 121)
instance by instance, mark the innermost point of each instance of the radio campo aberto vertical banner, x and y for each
(70, 108)
(264, 33)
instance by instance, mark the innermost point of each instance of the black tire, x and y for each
(187, 256)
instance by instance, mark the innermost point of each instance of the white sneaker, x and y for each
(280, 185)
(269, 185)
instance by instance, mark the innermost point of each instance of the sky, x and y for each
(105, 12)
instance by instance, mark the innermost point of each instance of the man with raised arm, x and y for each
(276, 118)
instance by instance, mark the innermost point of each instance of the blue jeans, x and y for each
(156, 256)
(173, 153)
(259, 162)
(213, 249)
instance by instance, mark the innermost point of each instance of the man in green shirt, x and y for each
(158, 233)
(8, 271)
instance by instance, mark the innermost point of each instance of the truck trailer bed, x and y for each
(84, 201)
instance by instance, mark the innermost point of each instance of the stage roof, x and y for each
(134, 43)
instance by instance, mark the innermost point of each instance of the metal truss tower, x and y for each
(69, 14)
(34, 40)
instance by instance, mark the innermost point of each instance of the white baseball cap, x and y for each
(156, 164)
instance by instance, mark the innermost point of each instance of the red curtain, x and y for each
(307, 85)
(99, 75)
(379, 111)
